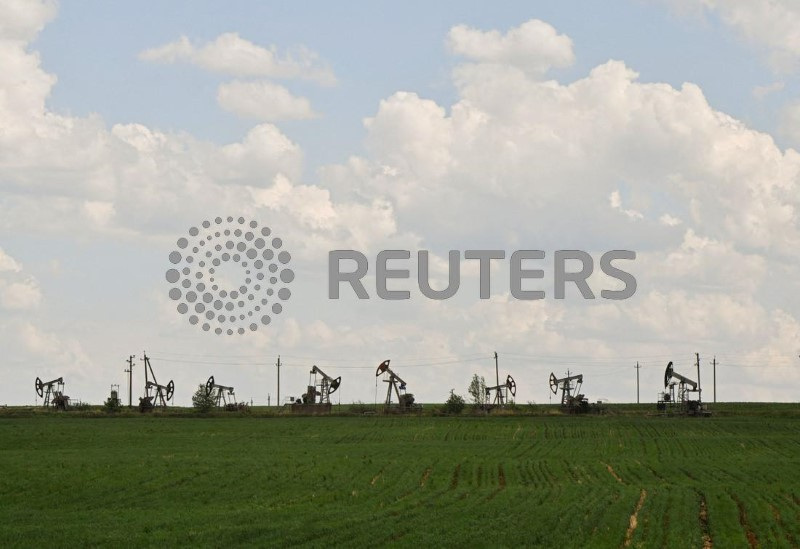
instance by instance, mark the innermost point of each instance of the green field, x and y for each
(550, 481)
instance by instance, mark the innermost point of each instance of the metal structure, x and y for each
(155, 393)
(53, 393)
(681, 393)
(317, 398)
(224, 396)
(405, 401)
(320, 387)
(572, 400)
(501, 392)
(114, 396)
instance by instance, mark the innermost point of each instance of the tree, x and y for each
(203, 401)
(112, 405)
(454, 404)
(477, 391)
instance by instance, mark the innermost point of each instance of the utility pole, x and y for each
(637, 382)
(699, 387)
(279, 380)
(129, 371)
(497, 375)
(714, 362)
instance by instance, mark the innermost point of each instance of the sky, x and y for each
(667, 127)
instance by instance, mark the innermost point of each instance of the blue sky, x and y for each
(452, 125)
(375, 49)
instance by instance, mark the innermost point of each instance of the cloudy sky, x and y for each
(670, 128)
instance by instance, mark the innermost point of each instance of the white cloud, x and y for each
(231, 54)
(99, 213)
(18, 291)
(21, 20)
(760, 92)
(263, 101)
(533, 47)
(20, 296)
(790, 123)
(615, 200)
(772, 25)
(514, 162)
(63, 352)
(669, 220)
(8, 263)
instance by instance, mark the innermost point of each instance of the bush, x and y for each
(455, 404)
(203, 401)
(112, 405)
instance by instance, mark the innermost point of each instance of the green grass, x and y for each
(544, 481)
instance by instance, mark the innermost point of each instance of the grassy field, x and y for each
(601, 481)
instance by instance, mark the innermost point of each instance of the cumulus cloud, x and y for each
(64, 353)
(760, 92)
(20, 296)
(534, 47)
(8, 263)
(231, 54)
(263, 101)
(515, 162)
(773, 26)
(615, 200)
(790, 123)
(18, 291)
(536, 164)
(22, 20)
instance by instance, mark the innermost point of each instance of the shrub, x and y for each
(203, 401)
(112, 405)
(454, 404)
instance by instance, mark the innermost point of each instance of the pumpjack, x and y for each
(223, 396)
(155, 393)
(405, 401)
(317, 398)
(686, 399)
(501, 393)
(53, 393)
(572, 401)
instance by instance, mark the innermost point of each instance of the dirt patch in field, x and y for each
(425, 476)
(634, 520)
(501, 481)
(454, 479)
(703, 515)
(613, 473)
(752, 540)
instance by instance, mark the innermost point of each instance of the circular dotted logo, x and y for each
(230, 275)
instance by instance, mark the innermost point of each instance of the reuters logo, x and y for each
(230, 275)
